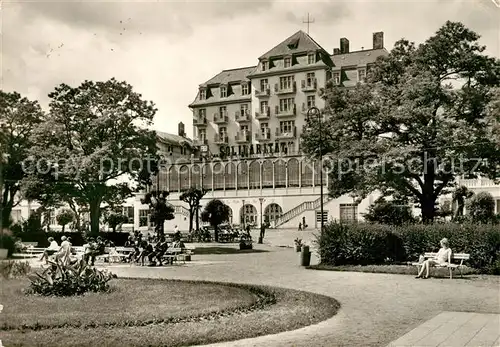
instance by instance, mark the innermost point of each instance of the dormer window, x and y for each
(245, 90)
(223, 91)
(203, 94)
(311, 58)
(265, 65)
(288, 61)
(361, 75)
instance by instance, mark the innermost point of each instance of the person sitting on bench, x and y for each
(160, 249)
(442, 258)
(53, 248)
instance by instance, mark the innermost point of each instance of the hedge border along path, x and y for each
(275, 310)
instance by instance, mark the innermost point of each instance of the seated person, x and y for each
(130, 242)
(64, 252)
(160, 249)
(178, 244)
(52, 249)
(145, 249)
(442, 258)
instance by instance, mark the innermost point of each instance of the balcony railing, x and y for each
(309, 85)
(292, 88)
(242, 136)
(263, 113)
(200, 120)
(263, 93)
(263, 135)
(220, 118)
(291, 134)
(221, 138)
(290, 111)
(242, 116)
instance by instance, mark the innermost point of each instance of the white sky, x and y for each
(166, 48)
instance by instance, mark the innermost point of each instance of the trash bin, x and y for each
(305, 256)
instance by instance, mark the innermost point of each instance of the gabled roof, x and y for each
(297, 43)
(368, 56)
(228, 76)
(173, 139)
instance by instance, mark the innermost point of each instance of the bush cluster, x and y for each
(8, 242)
(370, 244)
(69, 280)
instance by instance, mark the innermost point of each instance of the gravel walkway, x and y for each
(376, 308)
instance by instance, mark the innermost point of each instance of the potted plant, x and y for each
(298, 244)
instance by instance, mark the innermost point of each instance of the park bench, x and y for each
(120, 253)
(454, 258)
(178, 254)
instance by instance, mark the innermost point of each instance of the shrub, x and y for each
(481, 208)
(69, 280)
(389, 212)
(7, 241)
(14, 269)
(364, 244)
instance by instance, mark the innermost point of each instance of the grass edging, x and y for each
(392, 269)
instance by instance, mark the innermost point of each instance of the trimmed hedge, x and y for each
(77, 238)
(371, 244)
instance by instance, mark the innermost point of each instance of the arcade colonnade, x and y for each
(245, 174)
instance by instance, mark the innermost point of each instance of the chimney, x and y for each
(181, 130)
(378, 40)
(344, 45)
(336, 51)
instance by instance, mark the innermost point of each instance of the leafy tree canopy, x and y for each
(192, 197)
(19, 117)
(95, 134)
(424, 116)
(216, 212)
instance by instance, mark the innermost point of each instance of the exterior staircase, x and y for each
(297, 210)
(179, 209)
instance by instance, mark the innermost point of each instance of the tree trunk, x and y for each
(78, 219)
(428, 209)
(216, 233)
(191, 215)
(63, 228)
(197, 219)
(95, 214)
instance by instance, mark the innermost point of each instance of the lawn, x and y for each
(149, 307)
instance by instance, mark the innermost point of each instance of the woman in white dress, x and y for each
(442, 258)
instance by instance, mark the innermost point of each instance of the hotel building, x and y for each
(246, 150)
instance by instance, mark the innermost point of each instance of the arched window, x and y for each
(267, 174)
(184, 177)
(173, 179)
(280, 174)
(195, 176)
(206, 176)
(306, 170)
(248, 214)
(272, 212)
(230, 176)
(242, 175)
(218, 173)
(254, 173)
(293, 172)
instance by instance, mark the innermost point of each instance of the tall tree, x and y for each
(19, 117)
(422, 118)
(114, 219)
(216, 212)
(192, 197)
(95, 134)
(65, 217)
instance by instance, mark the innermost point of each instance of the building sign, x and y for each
(204, 148)
(258, 149)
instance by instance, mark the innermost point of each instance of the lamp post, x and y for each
(315, 112)
(261, 200)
